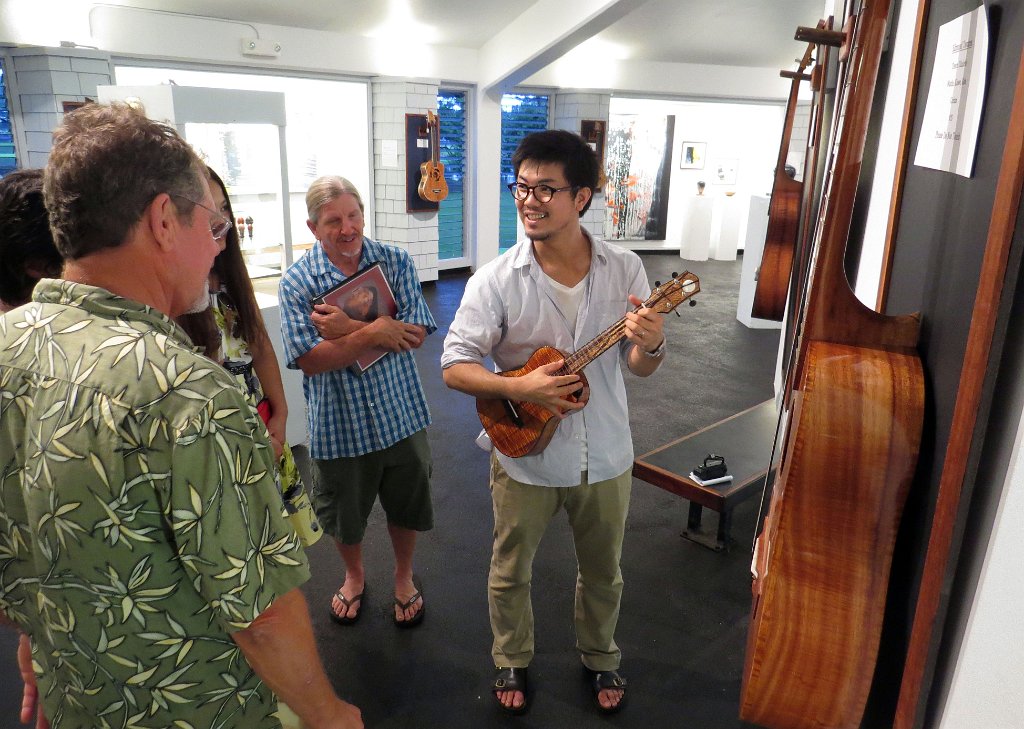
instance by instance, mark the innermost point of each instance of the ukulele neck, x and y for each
(593, 349)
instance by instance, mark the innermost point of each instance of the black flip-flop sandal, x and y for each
(403, 606)
(603, 680)
(345, 619)
(511, 679)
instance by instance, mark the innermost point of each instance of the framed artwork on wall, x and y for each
(692, 155)
(639, 170)
(723, 171)
(417, 151)
(593, 132)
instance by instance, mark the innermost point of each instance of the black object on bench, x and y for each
(744, 439)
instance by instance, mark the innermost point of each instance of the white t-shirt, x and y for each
(568, 300)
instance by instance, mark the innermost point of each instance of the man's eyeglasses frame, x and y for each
(217, 230)
(541, 193)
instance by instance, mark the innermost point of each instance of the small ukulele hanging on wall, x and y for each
(432, 185)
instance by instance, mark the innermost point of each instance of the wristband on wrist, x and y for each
(657, 351)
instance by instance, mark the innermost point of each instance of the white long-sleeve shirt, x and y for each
(508, 311)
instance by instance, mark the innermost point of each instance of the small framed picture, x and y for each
(593, 133)
(363, 296)
(692, 155)
(723, 171)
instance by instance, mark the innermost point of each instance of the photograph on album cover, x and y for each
(363, 296)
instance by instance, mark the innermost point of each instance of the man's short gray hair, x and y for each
(327, 188)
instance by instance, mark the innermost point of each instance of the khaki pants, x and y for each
(597, 516)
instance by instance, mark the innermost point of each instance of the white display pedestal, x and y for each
(726, 218)
(696, 238)
(753, 247)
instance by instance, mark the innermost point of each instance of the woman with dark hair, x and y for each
(26, 244)
(232, 333)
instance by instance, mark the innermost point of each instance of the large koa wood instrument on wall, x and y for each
(433, 186)
(524, 428)
(815, 164)
(849, 448)
(773, 275)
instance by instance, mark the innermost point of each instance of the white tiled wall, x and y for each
(570, 108)
(43, 79)
(415, 232)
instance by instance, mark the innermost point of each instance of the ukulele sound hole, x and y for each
(512, 413)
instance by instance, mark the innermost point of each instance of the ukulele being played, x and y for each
(433, 187)
(524, 428)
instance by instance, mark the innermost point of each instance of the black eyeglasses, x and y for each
(218, 229)
(541, 193)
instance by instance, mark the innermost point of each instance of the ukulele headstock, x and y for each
(667, 296)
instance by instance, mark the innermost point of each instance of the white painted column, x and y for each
(486, 155)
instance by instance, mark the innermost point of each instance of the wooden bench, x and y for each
(744, 440)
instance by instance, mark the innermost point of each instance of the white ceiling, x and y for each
(719, 32)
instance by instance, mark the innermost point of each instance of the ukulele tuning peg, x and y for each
(692, 302)
(675, 275)
(657, 284)
(677, 313)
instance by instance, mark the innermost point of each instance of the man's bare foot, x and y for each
(509, 689)
(409, 605)
(347, 603)
(609, 689)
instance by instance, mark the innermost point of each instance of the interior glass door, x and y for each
(247, 157)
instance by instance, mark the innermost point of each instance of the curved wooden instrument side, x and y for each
(537, 424)
(849, 453)
(776, 267)
(824, 556)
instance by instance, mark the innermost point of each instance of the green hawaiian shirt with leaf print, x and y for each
(140, 521)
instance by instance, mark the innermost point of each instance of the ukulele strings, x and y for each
(583, 356)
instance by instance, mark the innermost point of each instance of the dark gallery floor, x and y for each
(685, 607)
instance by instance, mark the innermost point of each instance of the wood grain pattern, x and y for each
(849, 451)
(521, 429)
(824, 555)
(536, 424)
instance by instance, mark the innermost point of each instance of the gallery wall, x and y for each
(745, 136)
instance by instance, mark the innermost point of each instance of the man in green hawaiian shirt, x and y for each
(142, 546)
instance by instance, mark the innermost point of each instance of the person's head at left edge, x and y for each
(27, 252)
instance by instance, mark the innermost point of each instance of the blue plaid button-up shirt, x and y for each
(351, 415)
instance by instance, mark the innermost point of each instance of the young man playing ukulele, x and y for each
(561, 288)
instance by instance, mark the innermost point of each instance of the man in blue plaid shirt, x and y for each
(367, 431)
